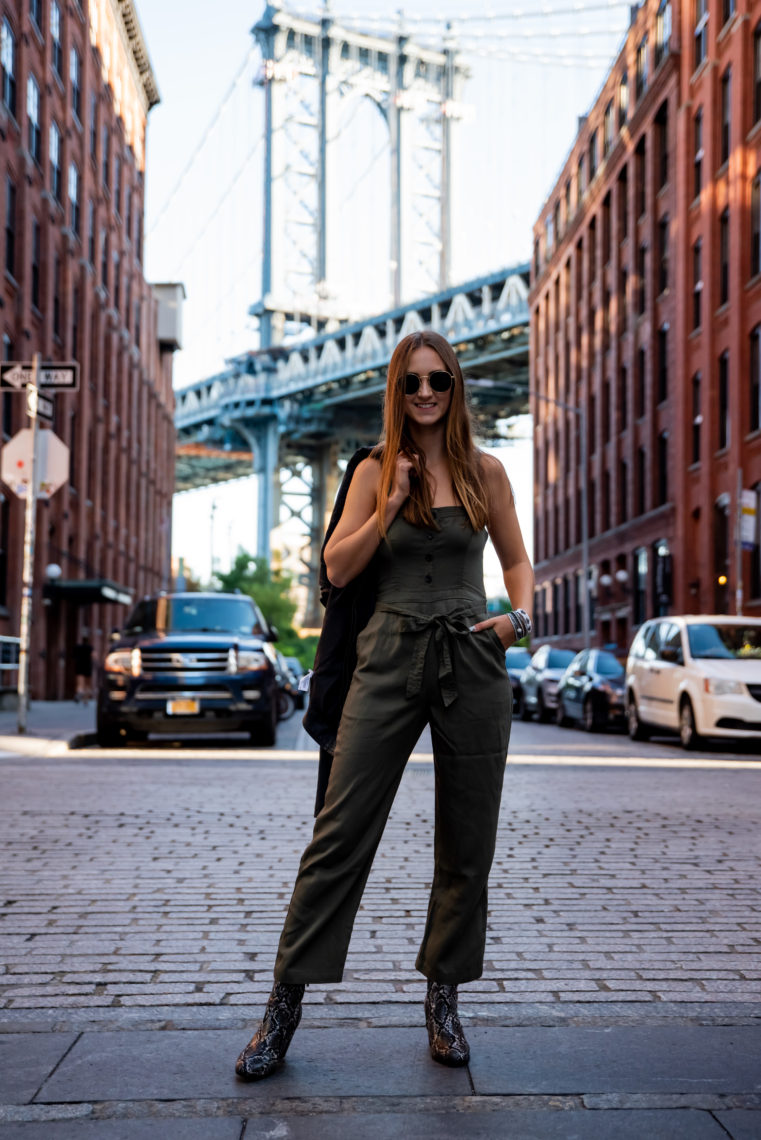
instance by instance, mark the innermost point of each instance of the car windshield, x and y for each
(196, 615)
(517, 658)
(608, 666)
(559, 658)
(728, 641)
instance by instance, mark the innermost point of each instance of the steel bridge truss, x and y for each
(309, 69)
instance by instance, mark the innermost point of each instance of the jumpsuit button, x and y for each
(429, 558)
(428, 578)
(429, 537)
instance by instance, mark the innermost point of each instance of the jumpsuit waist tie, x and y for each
(443, 628)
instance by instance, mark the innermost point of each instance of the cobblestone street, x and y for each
(145, 890)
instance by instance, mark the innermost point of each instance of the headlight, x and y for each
(719, 687)
(249, 659)
(124, 661)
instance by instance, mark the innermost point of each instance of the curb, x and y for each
(82, 740)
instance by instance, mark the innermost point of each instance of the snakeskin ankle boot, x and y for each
(445, 1034)
(266, 1050)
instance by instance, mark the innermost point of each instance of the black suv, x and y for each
(195, 663)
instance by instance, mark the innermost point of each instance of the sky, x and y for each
(532, 75)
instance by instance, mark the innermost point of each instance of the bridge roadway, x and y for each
(301, 406)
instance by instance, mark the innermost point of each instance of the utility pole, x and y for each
(27, 574)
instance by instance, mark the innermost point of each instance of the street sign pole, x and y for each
(27, 575)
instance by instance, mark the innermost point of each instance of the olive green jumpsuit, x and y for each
(418, 663)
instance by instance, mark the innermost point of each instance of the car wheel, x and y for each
(541, 709)
(108, 735)
(589, 719)
(264, 732)
(286, 705)
(688, 734)
(561, 720)
(637, 730)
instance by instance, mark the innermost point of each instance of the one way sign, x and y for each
(54, 377)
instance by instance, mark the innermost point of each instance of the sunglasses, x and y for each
(439, 380)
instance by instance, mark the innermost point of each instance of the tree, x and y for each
(271, 590)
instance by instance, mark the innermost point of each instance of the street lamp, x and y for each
(579, 411)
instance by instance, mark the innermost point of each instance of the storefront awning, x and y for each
(86, 591)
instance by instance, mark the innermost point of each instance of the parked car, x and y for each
(516, 660)
(195, 663)
(592, 691)
(288, 688)
(698, 675)
(539, 681)
(297, 672)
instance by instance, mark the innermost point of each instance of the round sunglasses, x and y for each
(440, 381)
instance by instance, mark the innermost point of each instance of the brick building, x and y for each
(646, 313)
(77, 86)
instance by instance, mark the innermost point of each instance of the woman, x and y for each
(420, 505)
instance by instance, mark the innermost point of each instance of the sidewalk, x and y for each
(50, 725)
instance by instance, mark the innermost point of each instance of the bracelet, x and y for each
(516, 624)
(521, 623)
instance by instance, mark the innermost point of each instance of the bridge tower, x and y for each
(309, 66)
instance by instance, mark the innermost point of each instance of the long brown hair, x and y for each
(463, 458)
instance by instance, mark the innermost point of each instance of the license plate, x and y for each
(183, 707)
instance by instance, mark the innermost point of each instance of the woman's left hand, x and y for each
(502, 626)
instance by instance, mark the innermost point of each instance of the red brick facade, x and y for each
(77, 87)
(646, 311)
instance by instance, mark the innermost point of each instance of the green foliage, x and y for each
(271, 590)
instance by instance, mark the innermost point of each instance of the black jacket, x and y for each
(347, 611)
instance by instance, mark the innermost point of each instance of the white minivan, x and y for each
(698, 675)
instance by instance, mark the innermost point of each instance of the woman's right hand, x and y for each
(400, 487)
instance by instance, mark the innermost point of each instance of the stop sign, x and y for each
(52, 469)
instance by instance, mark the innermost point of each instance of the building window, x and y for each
(755, 226)
(623, 491)
(593, 250)
(623, 100)
(697, 418)
(75, 314)
(662, 145)
(663, 475)
(663, 255)
(104, 253)
(55, 36)
(580, 180)
(568, 201)
(607, 130)
(8, 60)
(57, 296)
(721, 554)
(724, 257)
(10, 227)
(663, 363)
(697, 182)
(726, 115)
(36, 259)
(136, 324)
(755, 379)
(606, 411)
(623, 299)
(640, 171)
(642, 68)
(93, 125)
(701, 31)
(697, 283)
(727, 10)
(35, 11)
(757, 73)
(641, 393)
(76, 83)
(91, 232)
(641, 481)
(105, 155)
(117, 282)
(56, 180)
(549, 235)
(34, 130)
(74, 218)
(662, 32)
(623, 397)
(592, 156)
(118, 186)
(623, 203)
(724, 433)
(641, 279)
(606, 523)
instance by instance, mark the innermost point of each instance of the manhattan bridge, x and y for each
(307, 391)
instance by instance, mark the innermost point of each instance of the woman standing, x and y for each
(420, 506)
